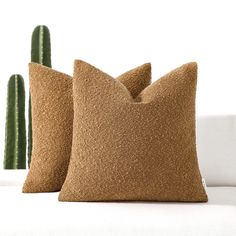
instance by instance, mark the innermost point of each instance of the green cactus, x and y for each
(15, 134)
(40, 53)
(29, 132)
(41, 46)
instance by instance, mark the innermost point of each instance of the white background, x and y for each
(119, 35)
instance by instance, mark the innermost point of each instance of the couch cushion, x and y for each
(12, 177)
(216, 145)
(41, 214)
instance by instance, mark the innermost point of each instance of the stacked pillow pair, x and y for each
(97, 138)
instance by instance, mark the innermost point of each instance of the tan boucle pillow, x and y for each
(141, 149)
(52, 121)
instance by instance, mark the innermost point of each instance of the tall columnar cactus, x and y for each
(40, 53)
(15, 134)
(41, 46)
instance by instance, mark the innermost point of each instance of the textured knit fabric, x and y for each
(140, 149)
(52, 123)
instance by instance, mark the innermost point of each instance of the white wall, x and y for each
(118, 35)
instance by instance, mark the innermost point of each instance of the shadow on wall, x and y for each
(216, 146)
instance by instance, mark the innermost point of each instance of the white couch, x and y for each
(42, 214)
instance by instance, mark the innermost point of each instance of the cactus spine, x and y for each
(15, 133)
(40, 53)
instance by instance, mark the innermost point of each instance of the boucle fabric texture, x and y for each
(52, 122)
(127, 149)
